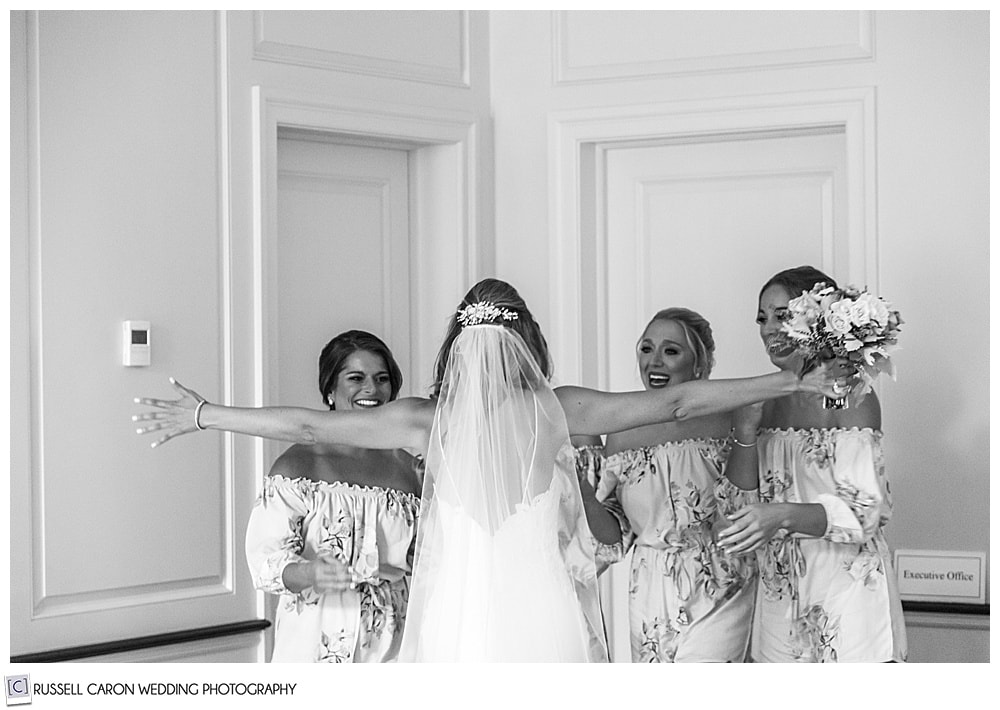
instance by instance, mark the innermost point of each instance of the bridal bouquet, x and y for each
(847, 323)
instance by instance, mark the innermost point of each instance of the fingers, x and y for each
(149, 402)
(146, 429)
(150, 416)
(332, 575)
(162, 440)
(749, 545)
(184, 390)
(734, 534)
(731, 537)
(739, 513)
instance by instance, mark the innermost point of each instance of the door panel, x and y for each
(342, 257)
(703, 225)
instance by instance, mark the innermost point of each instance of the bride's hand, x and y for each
(175, 416)
(832, 378)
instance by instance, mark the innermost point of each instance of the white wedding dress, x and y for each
(504, 567)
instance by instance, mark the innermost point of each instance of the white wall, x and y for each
(930, 77)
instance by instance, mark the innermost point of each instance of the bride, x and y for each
(504, 567)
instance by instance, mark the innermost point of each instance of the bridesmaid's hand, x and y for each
(328, 574)
(831, 378)
(175, 416)
(753, 525)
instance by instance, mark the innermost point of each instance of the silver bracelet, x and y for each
(732, 436)
(197, 416)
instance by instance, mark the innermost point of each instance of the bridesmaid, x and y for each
(669, 483)
(332, 531)
(827, 589)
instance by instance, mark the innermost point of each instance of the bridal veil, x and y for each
(504, 567)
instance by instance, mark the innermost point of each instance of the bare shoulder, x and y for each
(296, 462)
(866, 414)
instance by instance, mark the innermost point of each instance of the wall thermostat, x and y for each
(135, 343)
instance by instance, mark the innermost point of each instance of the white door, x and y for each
(341, 259)
(703, 224)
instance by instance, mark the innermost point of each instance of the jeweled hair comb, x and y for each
(483, 313)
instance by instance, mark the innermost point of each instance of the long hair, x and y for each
(341, 347)
(699, 336)
(797, 280)
(502, 295)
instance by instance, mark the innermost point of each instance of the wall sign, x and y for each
(936, 576)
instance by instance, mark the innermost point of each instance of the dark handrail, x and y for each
(135, 644)
(948, 608)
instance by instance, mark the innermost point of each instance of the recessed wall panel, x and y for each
(605, 45)
(427, 46)
(703, 225)
(340, 247)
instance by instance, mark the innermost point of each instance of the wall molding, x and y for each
(303, 56)
(45, 604)
(443, 149)
(565, 74)
(823, 182)
(579, 138)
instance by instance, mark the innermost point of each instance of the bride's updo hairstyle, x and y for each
(797, 280)
(503, 296)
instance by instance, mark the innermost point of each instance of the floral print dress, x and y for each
(688, 601)
(371, 530)
(832, 598)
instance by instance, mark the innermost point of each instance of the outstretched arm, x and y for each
(404, 423)
(593, 412)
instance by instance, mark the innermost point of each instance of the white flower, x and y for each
(861, 312)
(877, 308)
(838, 318)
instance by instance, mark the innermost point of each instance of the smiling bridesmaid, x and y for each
(827, 589)
(669, 484)
(332, 531)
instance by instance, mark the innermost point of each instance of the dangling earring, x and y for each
(329, 400)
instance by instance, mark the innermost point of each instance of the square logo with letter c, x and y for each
(18, 689)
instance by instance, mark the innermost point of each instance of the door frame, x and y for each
(578, 145)
(446, 245)
(579, 140)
